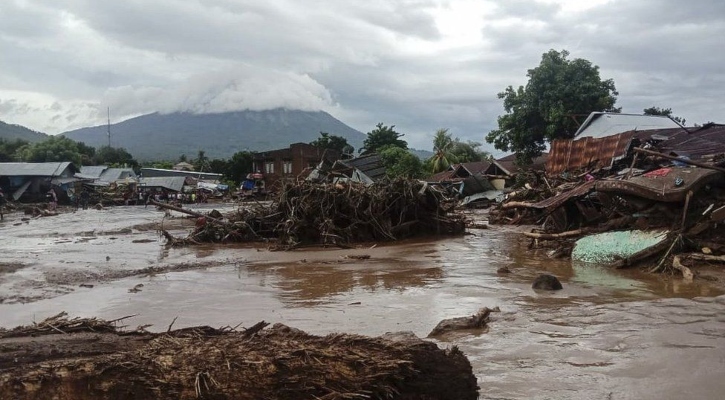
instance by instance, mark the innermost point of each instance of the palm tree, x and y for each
(201, 161)
(443, 144)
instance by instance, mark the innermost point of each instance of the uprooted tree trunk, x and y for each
(206, 363)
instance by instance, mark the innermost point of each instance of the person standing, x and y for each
(52, 200)
(3, 200)
(85, 197)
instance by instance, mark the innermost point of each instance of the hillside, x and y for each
(167, 136)
(12, 132)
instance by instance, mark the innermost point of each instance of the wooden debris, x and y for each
(207, 363)
(686, 272)
(476, 321)
(337, 215)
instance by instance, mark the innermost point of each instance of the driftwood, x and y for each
(705, 257)
(516, 204)
(686, 272)
(185, 211)
(550, 236)
(60, 324)
(207, 363)
(477, 321)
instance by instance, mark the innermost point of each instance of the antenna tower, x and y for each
(109, 126)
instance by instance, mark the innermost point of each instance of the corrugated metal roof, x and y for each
(699, 142)
(601, 124)
(457, 172)
(371, 165)
(569, 155)
(175, 183)
(35, 169)
(476, 167)
(509, 163)
(117, 174)
(91, 171)
(159, 172)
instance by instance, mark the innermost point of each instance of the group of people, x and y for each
(166, 197)
(83, 198)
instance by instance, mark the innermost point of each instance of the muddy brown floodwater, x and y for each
(607, 335)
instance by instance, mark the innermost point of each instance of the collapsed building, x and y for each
(625, 198)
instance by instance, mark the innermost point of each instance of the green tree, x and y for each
(667, 112)
(115, 157)
(202, 162)
(87, 153)
(448, 150)
(239, 166)
(334, 142)
(468, 151)
(443, 156)
(400, 162)
(54, 148)
(9, 149)
(558, 90)
(382, 136)
(158, 164)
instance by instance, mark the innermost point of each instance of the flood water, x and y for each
(607, 335)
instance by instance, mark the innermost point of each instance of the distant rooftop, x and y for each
(602, 124)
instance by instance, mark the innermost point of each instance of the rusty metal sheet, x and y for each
(568, 155)
(558, 155)
(705, 141)
(561, 198)
(663, 188)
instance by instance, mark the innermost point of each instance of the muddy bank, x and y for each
(202, 362)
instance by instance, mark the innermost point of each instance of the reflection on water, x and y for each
(308, 283)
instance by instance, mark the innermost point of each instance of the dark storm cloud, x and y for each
(400, 62)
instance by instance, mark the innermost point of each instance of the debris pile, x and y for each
(208, 363)
(658, 204)
(335, 214)
(60, 324)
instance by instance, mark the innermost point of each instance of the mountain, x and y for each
(12, 132)
(422, 154)
(167, 136)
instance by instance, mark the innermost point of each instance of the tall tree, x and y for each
(54, 148)
(9, 149)
(382, 136)
(443, 145)
(239, 166)
(468, 151)
(202, 162)
(666, 112)
(334, 142)
(115, 156)
(400, 163)
(558, 90)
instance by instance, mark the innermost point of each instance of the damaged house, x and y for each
(102, 175)
(31, 181)
(288, 163)
(471, 178)
(628, 197)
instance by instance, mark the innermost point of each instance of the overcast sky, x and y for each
(420, 65)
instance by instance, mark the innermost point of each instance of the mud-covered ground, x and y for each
(609, 334)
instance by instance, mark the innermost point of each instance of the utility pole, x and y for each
(109, 127)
